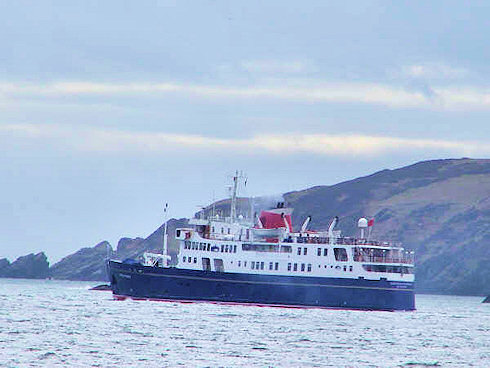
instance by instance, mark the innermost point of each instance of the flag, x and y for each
(371, 222)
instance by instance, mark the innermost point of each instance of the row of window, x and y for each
(225, 248)
(266, 248)
(222, 230)
(196, 245)
(340, 253)
(294, 267)
(261, 265)
(388, 269)
(274, 266)
(337, 267)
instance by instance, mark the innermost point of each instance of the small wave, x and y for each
(46, 355)
(421, 364)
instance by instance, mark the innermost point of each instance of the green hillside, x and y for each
(440, 209)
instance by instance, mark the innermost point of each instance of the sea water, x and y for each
(55, 323)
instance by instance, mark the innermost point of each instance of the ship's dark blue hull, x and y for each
(143, 282)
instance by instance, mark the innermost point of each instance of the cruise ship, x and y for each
(261, 260)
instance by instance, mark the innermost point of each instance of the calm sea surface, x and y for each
(53, 323)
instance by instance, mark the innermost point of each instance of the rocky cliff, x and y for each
(31, 266)
(89, 263)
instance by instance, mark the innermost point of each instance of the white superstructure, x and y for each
(243, 245)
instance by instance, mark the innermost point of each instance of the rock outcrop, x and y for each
(87, 264)
(31, 266)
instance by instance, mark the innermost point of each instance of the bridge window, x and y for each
(289, 266)
(340, 254)
(252, 265)
(295, 267)
(261, 265)
(183, 259)
(276, 266)
(195, 259)
(239, 262)
(309, 267)
(271, 264)
(302, 267)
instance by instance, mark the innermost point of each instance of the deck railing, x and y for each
(346, 241)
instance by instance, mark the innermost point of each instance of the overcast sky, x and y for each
(109, 109)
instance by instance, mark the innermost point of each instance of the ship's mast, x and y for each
(238, 176)
(165, 250)
(233, 198)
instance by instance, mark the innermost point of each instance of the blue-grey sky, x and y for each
(109, 109)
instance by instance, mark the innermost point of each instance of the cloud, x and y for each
(428, 97)
(333, 92)
(464, 98)
(116, 141)
(434, 71)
